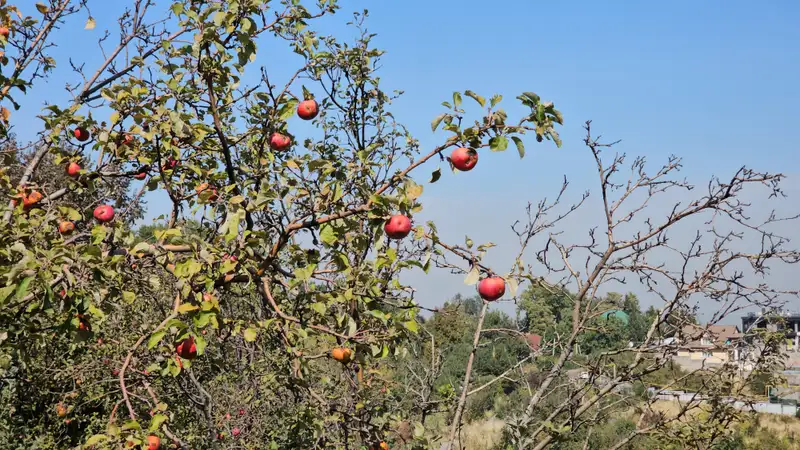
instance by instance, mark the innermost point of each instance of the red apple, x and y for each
(5, 32)
(31, 199)
(308, 109)
(66, 227)
(127, 139)
(241, 412)
(141, 174)
(464, 159)
(492, 288)
(73, 169)
(211, 196)
(104, 213)
(236, 431)
(186, 348)
(81, 134)
(228, 416)
(279, 141)
(153, 442)
(397, 227)
(169, 164)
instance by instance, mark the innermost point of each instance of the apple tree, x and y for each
(259, 310)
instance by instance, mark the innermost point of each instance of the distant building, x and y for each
(787, 322)
(711, 344)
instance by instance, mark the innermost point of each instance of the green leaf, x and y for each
(98, 234)
(128, 297)
(114, 118)
(327, 234)
(288, 110)
(498, 143)
(476, 97)
(520, 146)
(22, 288)
(472, 276)
(436, 175)
(319, 308)
(131, 425)
(411, 325)
(496, 98)
(304, 273)
(155, 339)
(250, 334)
(94, 440)
(156, 421)
(5, 292)
(219, 17)
(456, 99)
(70, 213)
(435, 123)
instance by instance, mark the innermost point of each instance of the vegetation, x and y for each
(264, 308)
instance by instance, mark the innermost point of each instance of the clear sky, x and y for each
(713, 81)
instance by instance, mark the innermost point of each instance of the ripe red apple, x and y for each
(115, 372)
(343, 355)
(153, 442)
(228, 416)
(279, 141)
(73, 169)
(141, 174)
(236, 431)
(127, 139)
(464, 159)
(31, 199)
(66, 227)
(5, 32)
(397, 227)
(104, 213)
(212, 191)
(169, 164)
(308, 109)
(241, 412)
(81, 134)
(186, 348)
(492, 288)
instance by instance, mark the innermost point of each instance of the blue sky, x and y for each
(713, 81)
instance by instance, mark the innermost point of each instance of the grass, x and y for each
(482, 434)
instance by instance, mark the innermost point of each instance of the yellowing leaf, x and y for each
(250, 334)
(90, 23)
(186, 307)
(6, 114)
(42, 8)
(472, 276)
(413, 191)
